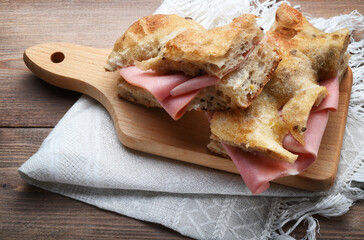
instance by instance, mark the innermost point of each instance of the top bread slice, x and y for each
(308, 55)
(234, 53)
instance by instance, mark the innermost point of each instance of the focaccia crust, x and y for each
(143, 39)
(166, 43)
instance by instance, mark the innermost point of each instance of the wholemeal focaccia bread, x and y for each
(280, 133)
(234, 56)
(307, 53)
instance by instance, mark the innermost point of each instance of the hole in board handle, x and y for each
(57, 57)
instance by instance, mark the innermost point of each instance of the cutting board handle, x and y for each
(79, 68)
(73, 67)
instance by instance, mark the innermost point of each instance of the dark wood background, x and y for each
(30, 108)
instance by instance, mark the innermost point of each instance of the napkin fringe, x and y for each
(329, 206)
(352, 181)
(217, 13)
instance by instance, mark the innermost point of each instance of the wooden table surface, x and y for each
(30, 108)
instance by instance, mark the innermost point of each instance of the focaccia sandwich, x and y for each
(280, 133)
(173, 62)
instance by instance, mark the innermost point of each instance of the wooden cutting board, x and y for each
(80, 68)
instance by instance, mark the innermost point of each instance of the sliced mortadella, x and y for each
(251, 168)
(194, 84)
(331, 102)
(177, 106)
(316, 126)
(257, 170)
(158, 85)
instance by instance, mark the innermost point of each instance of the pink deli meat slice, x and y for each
(316, 126)
(194, 84)
(158, 85)
(331, 102)
(257, 170)
(184, 88)
(177, 106)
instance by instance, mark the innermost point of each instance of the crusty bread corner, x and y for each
(143, 39)
(136, 95)
(316, 54)
(293, 32)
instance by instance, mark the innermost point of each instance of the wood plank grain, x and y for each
(27, 101)
(326, 9)
(31, 213)
(27, 212)
(18, 144)
(25, 23)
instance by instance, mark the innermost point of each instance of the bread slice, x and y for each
(307, 55)
(235, 53)
(215, 146)
(215, 51)
(171, 43)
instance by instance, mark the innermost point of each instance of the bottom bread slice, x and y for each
(215, 147)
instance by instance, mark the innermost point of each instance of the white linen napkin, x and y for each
(83, 159)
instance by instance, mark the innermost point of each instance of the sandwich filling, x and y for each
(173, 92)
(257, 169)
